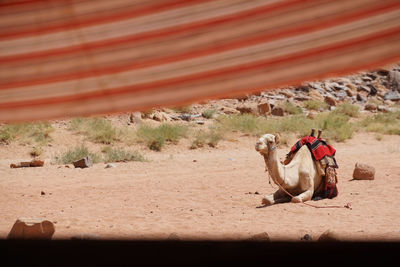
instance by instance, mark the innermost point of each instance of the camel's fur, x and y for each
(300, 177)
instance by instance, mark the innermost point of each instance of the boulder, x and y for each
(264, 108)
(135, 117)
(370, 106)
(160, 116)
(392, 95)
(394, 79)
(247, 109)
(229, 111)
(260, 237)
(83, 163)
(328, 236)
(330, 100)
(314, 94)
(363, 172)
(28, 228)
(277, 111)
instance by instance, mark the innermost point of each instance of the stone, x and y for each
(277, 111)
(160, 116)
(260, 237)
(363, 172)
(264, 108)
(361, 98)
(306, 237)
(110, 165)
(135, 117)
(37, 163)
(370, 106)
(373, 91)
(174, 237)
(392, 95)
(28, 228)
(330, 100)
(349, 92)
(328, 236)
(247, 109)
(394, 79)
(314, 94)
(229, 111)
(383, 109)
(83, 163)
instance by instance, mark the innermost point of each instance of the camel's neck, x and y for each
(275, 168)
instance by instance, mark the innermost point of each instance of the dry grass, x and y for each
(26, 133)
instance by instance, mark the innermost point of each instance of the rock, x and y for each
(189, 117)
(135, 117)
(110, 165)
(328, 236)
(229, 111)
(361, 98)
(383, 109)
(247, 109)
(260, 237)
(349, 92)
(314, 94)
(287, 93)
(306, 237)
(363, 172)
(394, 79)
(160, 116)
(37, 163)
(392, 95)
(341, 95)
(174, 237)
(277, 111)
(25, 164)
(330, 100)
(264, 108)
(373, 91)
(83, 163)
(28, 228)
(42, 193)
(370, 106)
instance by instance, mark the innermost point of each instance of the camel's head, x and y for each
(267, 142)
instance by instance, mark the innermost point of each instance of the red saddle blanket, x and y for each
(318, 147)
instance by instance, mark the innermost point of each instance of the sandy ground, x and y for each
(201, 194)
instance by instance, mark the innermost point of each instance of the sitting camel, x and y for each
(300, 177)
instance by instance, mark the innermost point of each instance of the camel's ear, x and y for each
(276, 138)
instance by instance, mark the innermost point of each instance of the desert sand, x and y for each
(207, 193)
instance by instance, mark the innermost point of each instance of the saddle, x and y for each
(324, 158)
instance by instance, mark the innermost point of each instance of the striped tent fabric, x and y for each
(64, 58)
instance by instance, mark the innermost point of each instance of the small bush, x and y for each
(119, 154)
(98, 130)
(155, 137)
(335, 126)
(384, 123)
(27, 132)
(315, 105)
(348, 109)
(36, 151)
(211, 138)
(290, 108)
(245, 123)
(208, 113)
(77, 153)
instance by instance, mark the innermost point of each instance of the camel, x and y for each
(300, 177)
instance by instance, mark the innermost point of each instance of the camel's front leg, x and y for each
(278, 197)
(308, 193)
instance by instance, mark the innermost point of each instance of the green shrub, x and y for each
(290, 108)
(211, 138)
(98, 130)
(348, 109)
(119, 154)
(27, 132)
(335, 126)
(315, 105)
(245, 123)
(155, 137)
(384, 123)
(77, 153)
(208, 113)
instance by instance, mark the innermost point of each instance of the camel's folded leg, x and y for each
(278, 197)
(303, 197)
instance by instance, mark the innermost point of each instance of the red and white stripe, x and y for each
(62, 58)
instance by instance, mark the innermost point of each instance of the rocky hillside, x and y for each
(373, 91)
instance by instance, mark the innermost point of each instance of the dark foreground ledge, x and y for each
(201, 253)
